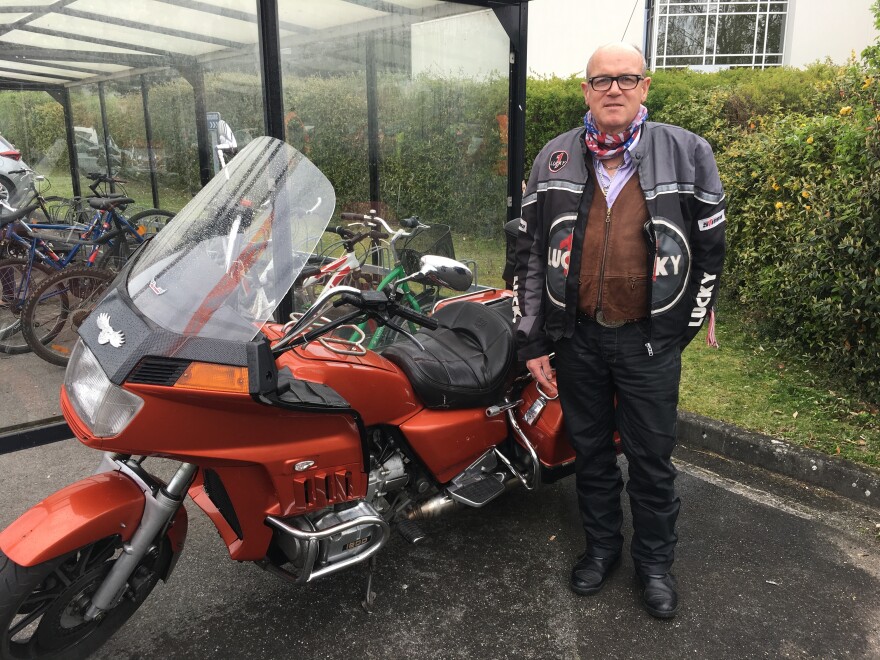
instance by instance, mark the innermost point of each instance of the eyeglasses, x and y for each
(624, 82)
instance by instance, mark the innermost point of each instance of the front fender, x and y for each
(94, 508)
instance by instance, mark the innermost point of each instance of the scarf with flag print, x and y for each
(607, 145)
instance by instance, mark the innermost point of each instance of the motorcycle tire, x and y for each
(42, 606)
(54, 311)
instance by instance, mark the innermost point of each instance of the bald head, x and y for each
(620, 48)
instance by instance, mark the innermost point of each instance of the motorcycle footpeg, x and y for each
(477, 493)
(411, 531)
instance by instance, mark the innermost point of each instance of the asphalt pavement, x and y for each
(768, 567)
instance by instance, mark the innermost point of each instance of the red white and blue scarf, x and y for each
(608, 145)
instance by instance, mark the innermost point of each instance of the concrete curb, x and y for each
(859, 483)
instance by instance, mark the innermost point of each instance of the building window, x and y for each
(714, 35)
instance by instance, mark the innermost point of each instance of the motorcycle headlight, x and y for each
(102, 406)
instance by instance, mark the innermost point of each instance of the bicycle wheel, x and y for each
(54, 311)
(116, 254)
(152, 220)
(15, 283)
(57, 210)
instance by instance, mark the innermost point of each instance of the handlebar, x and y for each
(416, 317)
(17, 215)
(375, 304)
(100, 177)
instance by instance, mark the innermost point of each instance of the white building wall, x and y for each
(818, 29)
(563, 33)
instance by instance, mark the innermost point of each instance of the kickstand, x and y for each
(370, 597)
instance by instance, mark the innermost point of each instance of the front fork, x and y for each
(159, 509)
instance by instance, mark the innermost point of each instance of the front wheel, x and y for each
(42, 607)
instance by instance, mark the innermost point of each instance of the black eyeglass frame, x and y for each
(612, 79)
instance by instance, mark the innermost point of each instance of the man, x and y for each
(620, 248)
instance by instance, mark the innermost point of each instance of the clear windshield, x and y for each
(223, 264)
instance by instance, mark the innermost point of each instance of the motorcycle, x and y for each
(304, 448)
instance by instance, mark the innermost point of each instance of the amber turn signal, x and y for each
(214, 377)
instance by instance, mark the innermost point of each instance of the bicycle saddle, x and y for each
(107, 203)
(466, 361)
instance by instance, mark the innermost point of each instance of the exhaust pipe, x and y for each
(442, 503)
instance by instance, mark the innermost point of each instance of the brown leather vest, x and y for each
(614, 261)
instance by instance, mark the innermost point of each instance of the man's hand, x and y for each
(540, 369)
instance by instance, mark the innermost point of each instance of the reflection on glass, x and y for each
(143, 79)
(419, 89)
(726, 33)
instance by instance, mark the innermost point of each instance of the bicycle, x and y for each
(389, 265)
(108, 229)
(49, 209)
(55, 309)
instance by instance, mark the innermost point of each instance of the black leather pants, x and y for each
(593, 367)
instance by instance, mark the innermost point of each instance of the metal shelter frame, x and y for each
(56, 70)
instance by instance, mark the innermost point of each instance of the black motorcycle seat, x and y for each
(466, 361)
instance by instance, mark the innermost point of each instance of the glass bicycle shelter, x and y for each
(410, 107)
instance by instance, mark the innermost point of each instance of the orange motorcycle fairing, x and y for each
(466, 435)
(94, 508)
(483, 296)
(389, 399)
(548, 434)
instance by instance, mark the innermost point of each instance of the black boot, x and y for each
(659, 595)
(589, 573)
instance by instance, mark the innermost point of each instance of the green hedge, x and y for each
(799, 156)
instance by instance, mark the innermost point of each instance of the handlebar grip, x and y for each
(355, 216)
(410, 223)
(417, 317)
(343, 232)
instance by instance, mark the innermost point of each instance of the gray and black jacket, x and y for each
(685, 237)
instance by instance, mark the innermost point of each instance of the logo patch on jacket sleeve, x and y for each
(712, 221)
(558, 160)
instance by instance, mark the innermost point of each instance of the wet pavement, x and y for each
(768, 567)
(29, 389)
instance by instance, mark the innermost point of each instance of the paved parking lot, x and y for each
(767, 567)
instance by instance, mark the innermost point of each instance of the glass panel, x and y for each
(736, 34)
(684, 61)
(686, 35)
(193, 57)
(688, 8)
(739, 8)
(734, 60)
(662, 40)
(433, 76)
(775, 33)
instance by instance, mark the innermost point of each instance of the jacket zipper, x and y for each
(604, 255)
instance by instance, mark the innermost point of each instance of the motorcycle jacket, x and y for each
(684, 236)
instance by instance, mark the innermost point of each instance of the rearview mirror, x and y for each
(443, 271)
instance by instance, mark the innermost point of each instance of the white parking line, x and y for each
(754, 494)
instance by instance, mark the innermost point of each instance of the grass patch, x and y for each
(752, 385)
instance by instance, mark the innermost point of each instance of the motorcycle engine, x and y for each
(334, 548)
(388, 474)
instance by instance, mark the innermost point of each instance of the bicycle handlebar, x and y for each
(17, 215)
